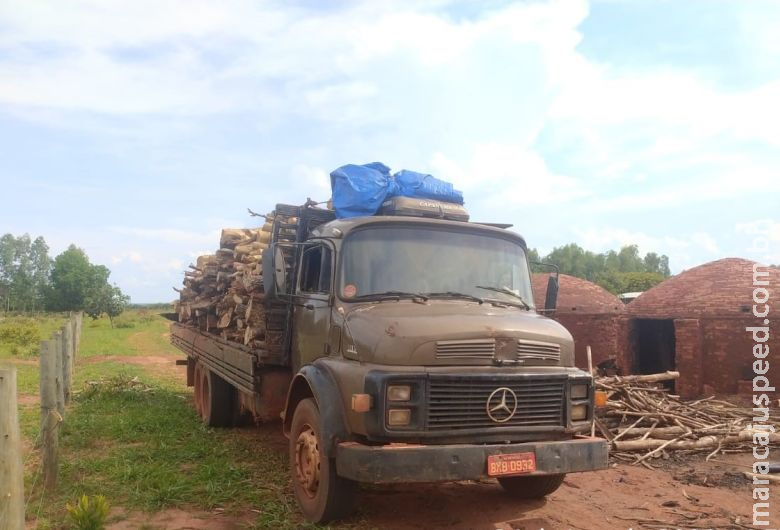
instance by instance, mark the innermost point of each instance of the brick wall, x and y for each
(689, 357)
(728, 353)
(597, 330)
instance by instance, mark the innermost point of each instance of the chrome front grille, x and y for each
(531, 350)
(466, 349)
(460, 402)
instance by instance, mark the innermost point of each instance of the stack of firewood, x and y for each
(223, 292)
(643, 420)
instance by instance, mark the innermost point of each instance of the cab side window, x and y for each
(315, 270)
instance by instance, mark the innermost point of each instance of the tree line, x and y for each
(621, 271)
(30, 280)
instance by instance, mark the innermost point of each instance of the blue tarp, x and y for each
(420, 185)
(360, 189)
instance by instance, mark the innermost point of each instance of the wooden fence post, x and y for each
(50, 418)
(59, 388)
(73, 341)
(11, 468)
(77, 341)
(67, 359)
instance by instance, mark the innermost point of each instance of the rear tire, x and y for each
(217, 400)
(531, 487)
(321, 494)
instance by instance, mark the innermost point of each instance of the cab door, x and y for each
(312, 304)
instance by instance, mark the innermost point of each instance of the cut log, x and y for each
(225, 318)
(652, 378)
(653, 443)
(223, 292)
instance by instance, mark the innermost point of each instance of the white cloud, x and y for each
(504, 104)
(507, 174)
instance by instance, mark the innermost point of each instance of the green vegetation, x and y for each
(106, 300)
(30, 280)
(24, 272)
(132, 436)
(616, 271)
(20, 335)
(88, 514)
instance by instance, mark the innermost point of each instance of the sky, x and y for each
(137, 129)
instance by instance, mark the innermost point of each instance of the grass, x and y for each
(155, 454)
(132, 435)
(135, 333)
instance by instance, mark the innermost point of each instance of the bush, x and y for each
(123, 323)
(22, 334)
(145, 316)
(121, 384)
(88, 514)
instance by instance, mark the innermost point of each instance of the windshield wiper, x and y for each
(455, 294)
(504, 290)
(385, 295)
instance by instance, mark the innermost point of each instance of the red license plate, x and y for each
(511, 464)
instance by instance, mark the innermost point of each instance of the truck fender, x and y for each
(315, 381)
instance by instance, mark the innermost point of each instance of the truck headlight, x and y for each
(399, 393)
(579, 412)
(399, 417)
(579, 392)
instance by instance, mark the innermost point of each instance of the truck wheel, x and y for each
(216, 400)
(321, 494)
(534, 487)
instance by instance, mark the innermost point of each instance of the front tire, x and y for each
(321, 494)
(531, 487)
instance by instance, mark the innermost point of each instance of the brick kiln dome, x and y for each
(576, 295)
(722, 287)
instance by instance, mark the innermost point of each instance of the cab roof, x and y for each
(345, 226)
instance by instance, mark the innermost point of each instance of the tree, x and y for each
(618, 271)
(106, 299)
(24, 272)
(73, 277)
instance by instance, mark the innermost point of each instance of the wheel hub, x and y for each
(307, 461)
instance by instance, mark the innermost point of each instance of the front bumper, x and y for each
(439, 463)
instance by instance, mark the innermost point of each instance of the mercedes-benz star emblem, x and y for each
(501, 405)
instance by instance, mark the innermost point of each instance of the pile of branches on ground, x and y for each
(643, 420)
(223, 292)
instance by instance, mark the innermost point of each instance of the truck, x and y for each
(411, 350)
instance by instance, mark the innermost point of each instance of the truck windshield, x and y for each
(425, 260)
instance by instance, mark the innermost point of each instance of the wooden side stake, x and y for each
(590, 371)
(11, 467)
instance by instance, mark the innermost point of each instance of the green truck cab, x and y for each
(412, 352)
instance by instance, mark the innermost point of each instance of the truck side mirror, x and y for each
(274, 271)
(551, 298)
